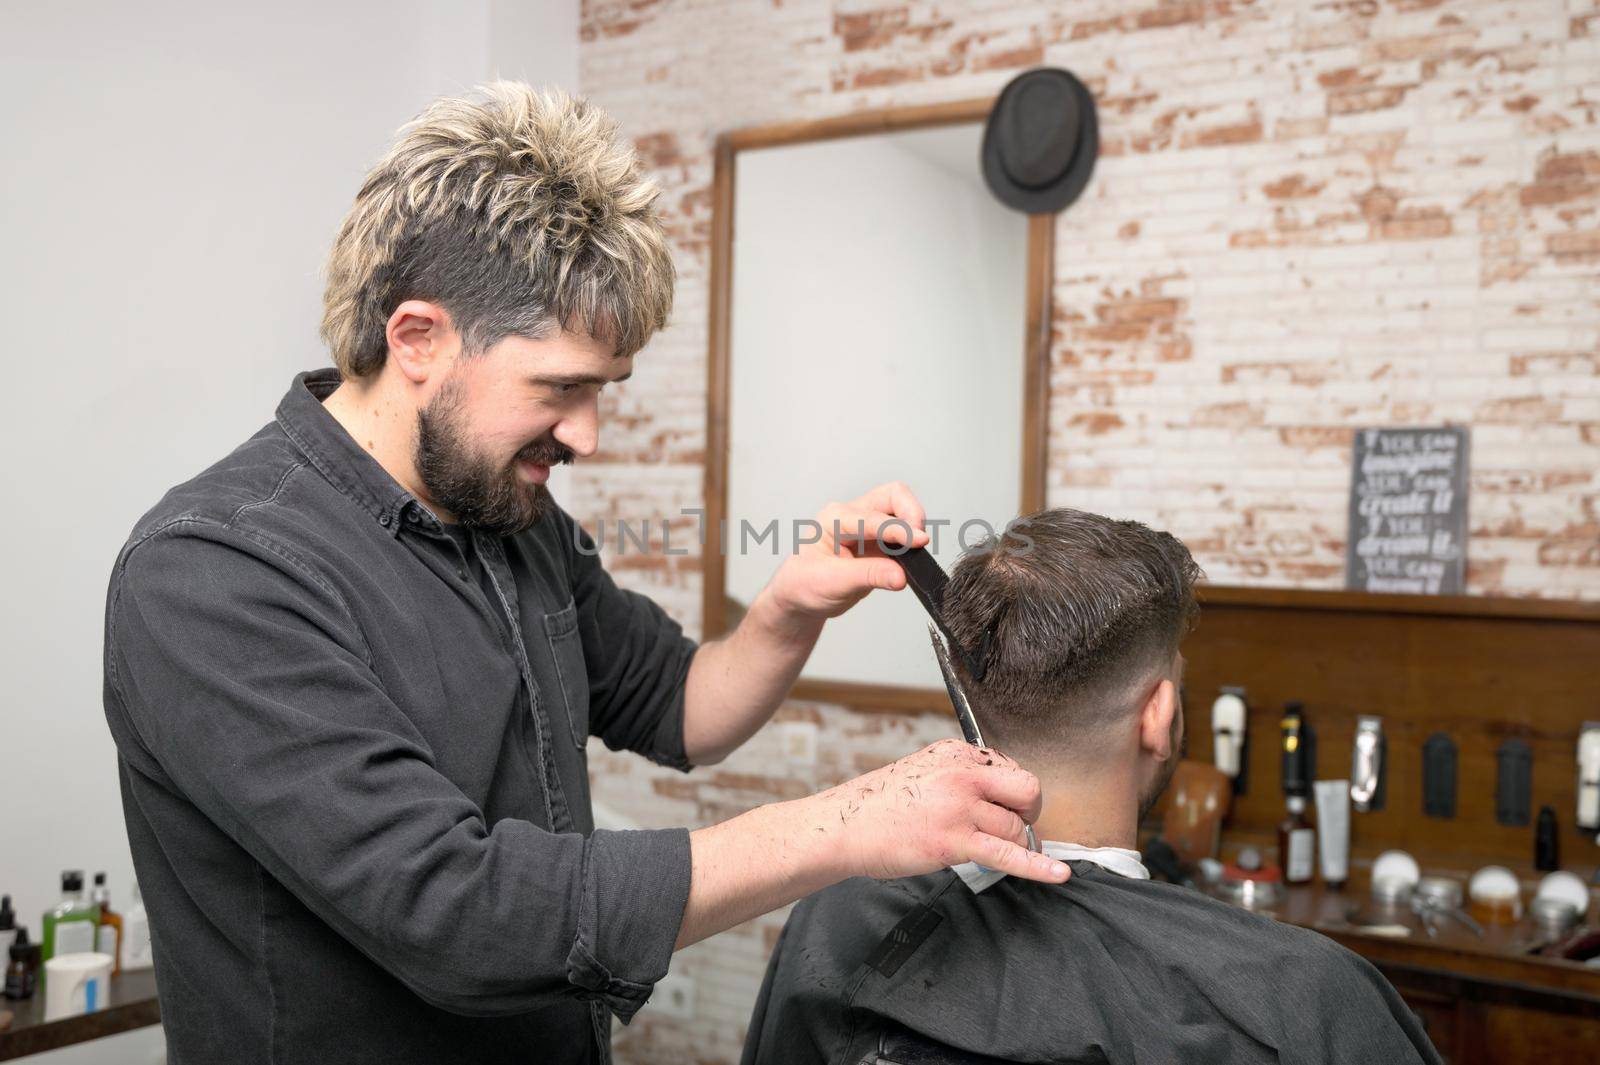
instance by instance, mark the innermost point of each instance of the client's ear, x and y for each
(1155, 721)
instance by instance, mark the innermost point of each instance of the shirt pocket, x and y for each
(566, 647)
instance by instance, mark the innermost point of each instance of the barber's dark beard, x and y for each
(1180, 750)
(479, 492)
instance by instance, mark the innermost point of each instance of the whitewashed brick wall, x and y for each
(1309, 217)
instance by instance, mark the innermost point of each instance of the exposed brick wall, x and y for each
(1308, 217)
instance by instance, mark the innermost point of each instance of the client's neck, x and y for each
(1095, 808)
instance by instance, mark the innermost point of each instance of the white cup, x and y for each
(76, 983)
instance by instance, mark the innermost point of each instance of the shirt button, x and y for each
(383, 519)
(461, 573)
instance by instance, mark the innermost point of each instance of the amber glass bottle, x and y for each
(1297, 844)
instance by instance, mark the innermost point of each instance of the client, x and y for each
(1083, 617)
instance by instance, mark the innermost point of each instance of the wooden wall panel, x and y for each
(1478, 669)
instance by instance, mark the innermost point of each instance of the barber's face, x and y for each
(499, 421)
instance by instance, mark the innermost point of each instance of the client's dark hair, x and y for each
(1075, 607)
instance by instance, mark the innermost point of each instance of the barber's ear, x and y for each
(1155, 721)
(422, 340)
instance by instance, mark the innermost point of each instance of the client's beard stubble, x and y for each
(479, 492)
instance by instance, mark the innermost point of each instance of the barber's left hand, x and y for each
(828, 577)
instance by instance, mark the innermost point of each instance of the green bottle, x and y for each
(69, 928)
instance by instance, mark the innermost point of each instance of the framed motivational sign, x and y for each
(1408, 511)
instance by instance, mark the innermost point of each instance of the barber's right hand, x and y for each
(949, 803)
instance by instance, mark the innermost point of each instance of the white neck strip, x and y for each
(1119, 860)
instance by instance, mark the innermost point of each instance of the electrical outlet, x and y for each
(799, 742)
(674, 996)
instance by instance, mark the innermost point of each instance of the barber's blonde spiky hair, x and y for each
(518, 212)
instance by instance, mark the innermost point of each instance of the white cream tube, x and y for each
(1333, 830)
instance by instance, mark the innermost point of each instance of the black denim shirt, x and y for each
(356, 789)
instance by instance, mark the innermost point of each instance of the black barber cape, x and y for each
(1103, 968)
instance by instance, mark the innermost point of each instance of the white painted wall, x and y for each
(535, 41)
(170, 177)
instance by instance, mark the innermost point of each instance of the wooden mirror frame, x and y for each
(1039, 282)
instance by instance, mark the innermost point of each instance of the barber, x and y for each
(352, 667)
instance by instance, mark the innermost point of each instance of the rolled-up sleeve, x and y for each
(246, 678)
(637, 659)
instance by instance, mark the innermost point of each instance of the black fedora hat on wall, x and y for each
(1040, 141)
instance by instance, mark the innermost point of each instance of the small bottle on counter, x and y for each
(8, 924)
(69, 927)
(20, 972)
(136, 950)
(108, 932)
(1297, 843)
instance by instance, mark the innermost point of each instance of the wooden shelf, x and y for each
(1499, 957)
(1466, 606)
(131, 1004)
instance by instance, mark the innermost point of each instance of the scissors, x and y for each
(928, 579)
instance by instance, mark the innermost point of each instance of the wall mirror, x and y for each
(877, 315)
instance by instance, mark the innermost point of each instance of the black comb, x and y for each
(928, 580)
